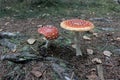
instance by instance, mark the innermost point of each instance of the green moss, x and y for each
(58, 8)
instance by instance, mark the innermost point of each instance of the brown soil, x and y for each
(105, 40)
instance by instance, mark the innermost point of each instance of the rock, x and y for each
(86, 38)
(92, 77)
(89, 51)
(108, 29)
(96, 60)
(116, 51)
(39, 26)
(100, 19)
(31, 41)
(95, 34)
(36, 73)
(1, 30)
(73, 46)
(107, 53)
(7, 23)
(118, 39)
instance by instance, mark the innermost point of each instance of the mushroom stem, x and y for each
(46, 44)
(77, 44)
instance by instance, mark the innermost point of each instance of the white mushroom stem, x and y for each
(46, 43)
(77, 44)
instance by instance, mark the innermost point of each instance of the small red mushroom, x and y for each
(50, 32)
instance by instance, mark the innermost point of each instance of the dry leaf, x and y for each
(36, 73)
(95, 34)
(89, 51)
(39, 26)
(118, 38)
(93, 69)
(31, 41)
(92, 77)
(32, 23)
(107, 53)
(7, 23)
(86, 38)
(14, 50)
(96, 60)
(44, 38)
(1, 29)
(73, 46)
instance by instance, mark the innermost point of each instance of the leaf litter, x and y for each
(81, 65)
(24, 57)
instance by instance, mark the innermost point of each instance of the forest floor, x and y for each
(102, 41)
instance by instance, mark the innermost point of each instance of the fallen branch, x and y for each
(22, 57)
(8, 35)
(8, 44)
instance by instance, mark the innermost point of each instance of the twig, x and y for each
(106, 44)
(72, 75)
(100, 72)
(34, 50)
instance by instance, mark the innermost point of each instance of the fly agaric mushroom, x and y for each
(49, 32)
(77, 25)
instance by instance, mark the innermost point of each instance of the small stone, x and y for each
(1, 30)
(86, 38)
(95, 34)
(32, 23)
(7, 23)
(14, 50)
(107, 53)
(116, 51)
(36, 73)
(39, 26)
(89, 51)
(93, 69)
(96, 60)
(31, 41)
(118, 38)
(44, 38)
(73, 46)
(92, 77)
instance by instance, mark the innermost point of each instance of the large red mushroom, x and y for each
(77, 25)
(50, 32)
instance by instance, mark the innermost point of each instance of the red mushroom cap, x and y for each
(50, 32)
(77, 25)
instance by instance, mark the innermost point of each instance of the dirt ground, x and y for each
(106, 37)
